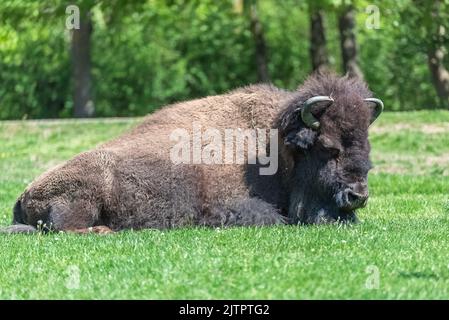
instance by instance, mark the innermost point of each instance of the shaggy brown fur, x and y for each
(130, 182)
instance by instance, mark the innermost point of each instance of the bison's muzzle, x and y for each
(355, 196)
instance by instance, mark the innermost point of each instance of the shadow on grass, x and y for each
(419, 275)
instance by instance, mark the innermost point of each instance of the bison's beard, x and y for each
(308, 209)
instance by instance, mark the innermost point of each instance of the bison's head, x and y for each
(325, 133)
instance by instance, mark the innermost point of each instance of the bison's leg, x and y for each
(18, 228)
(74, 215)
(244, 212)
(64, 215)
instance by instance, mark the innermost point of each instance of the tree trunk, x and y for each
(82, 100)
(435, 58)
(259, 40)
(318, 51)
(348, 44)
(440, 75)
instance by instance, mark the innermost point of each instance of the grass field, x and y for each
(400, 250)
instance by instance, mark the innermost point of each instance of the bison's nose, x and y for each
(353, 197)
(357, 200)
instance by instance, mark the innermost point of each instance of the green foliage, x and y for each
(394, 57)
(288, 41)
(34, 68)
(163, 55)
(146, 54)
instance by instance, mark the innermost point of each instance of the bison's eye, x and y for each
(329, 147)
(333, 151)
(328, 151)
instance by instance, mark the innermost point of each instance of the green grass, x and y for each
(402, 242)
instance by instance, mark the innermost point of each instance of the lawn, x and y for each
(399, 251)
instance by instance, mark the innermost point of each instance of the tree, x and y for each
(318, 51)
(81, 64)
(259, 40)
(249, 9)
(348, 44)
(423, 27)
(436, 54)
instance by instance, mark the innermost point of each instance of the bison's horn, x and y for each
(379, 107)
(306, 111)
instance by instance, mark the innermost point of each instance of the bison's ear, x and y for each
(296, 133)
(304, 138)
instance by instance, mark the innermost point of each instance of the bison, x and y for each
(132, 182)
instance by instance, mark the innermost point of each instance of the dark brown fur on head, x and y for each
(333, 160)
